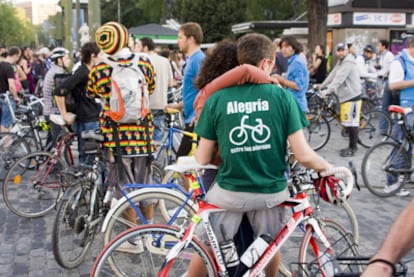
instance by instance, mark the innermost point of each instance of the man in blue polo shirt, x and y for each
(190, 37)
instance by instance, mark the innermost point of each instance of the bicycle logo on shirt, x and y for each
(259, 133)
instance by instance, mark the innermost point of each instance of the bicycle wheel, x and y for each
(12, 148)
(311, 263)
(342, 212)
(157, 172)
(117, 222)
(318, 132)
(34, 189)
(73, 234)
(153, 243)
(369, 133)
(386, 163)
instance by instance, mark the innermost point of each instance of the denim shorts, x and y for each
(6, 115)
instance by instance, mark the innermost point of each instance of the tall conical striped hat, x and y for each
(112, 37)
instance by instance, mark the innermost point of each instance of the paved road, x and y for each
(25, 244)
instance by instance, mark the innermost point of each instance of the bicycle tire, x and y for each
(309, 264)
(158, 172)
(71, 236)
(24, 193)
(295, 239)
(369, 133)
(379, 163)
(327, 209)
(318, 132)
(171, 199)
(156, 242)
(12, 148)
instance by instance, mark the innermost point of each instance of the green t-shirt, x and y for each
(251, 124)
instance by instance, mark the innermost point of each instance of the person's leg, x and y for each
(159, 122)
(350, 117)
(386, 102)
(269, 221)
(7, 118)
(142, 175)
(224, 199)
(184, 150)
(85, 126)
(353, 137)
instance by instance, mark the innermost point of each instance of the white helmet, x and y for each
(58, 52)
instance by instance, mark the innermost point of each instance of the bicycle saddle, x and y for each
(92, 134)
(171, 110)
(187, 163)
(399, 109)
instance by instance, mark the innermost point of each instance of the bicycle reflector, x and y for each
(44, 125)
(328, 188)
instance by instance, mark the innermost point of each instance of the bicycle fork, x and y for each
(324, 259)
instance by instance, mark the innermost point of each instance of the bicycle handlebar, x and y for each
(349, 179)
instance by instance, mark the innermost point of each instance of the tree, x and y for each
(134, 13)
(15, 28)
(317, 18)
(215, 17)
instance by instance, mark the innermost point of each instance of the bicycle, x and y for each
(319, 130)
(32, 186)
(357, 262)
(167, 151)
(173, 204)
(305, 178)
(163, 245)
(83, 206)
(390, 159)
(12, 148)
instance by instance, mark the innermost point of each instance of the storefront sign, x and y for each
(334, 19)
(379, 19)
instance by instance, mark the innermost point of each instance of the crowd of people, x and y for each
(253, 79)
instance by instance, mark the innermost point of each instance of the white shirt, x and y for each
(385, 60)
(366, 70)
(397, 70)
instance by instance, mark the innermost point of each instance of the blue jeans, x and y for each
(386, 102)
(84, 126)
(159, 122)
(398, 135)
(6, 114)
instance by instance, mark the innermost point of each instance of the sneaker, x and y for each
(348, 152)
(135, 247)
(393, 187)
(403, 192)
(390, 188)
(183, 213)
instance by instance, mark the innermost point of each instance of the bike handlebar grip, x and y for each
(345, 172)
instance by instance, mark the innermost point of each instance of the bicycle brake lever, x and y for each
(354, 173)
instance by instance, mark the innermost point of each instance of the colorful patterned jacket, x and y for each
(133, 137)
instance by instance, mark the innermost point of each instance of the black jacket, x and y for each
(86, 109)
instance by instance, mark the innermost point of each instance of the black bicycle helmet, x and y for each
(57, 53)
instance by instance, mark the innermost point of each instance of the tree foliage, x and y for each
(15, 28)
(133, 13)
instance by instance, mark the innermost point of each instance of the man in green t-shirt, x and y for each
(251, 124)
